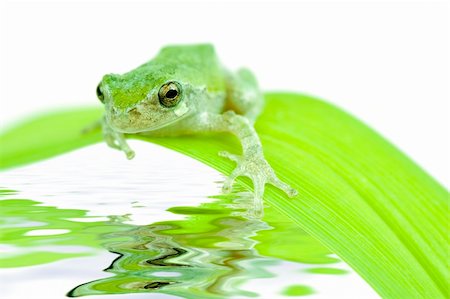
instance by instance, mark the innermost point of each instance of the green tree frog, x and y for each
(185, 90)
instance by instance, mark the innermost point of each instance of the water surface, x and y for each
(92, 223)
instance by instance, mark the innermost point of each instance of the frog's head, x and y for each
(143, 101)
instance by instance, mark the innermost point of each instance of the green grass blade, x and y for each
(358, 194)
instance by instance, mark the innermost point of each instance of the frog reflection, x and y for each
(172, 258)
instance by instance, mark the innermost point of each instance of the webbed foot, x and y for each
(260, 172)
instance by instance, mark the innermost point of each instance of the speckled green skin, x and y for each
(211, 99)
(196, 65)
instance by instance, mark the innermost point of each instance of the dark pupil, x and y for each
(171, 94)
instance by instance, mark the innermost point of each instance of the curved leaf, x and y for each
(358, 194)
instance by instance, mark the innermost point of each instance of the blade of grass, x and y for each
(358, 194)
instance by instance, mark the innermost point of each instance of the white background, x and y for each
(386, 62)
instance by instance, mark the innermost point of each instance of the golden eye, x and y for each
(100, 95)
(170, 94)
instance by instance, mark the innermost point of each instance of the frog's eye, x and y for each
(100, 95)
(169, 94)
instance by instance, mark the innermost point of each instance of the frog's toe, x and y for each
(228, 184)
(230, 156)
(259, 182)
(130, 154)
(286, 188)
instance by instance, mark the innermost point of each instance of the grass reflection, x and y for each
(211, 253)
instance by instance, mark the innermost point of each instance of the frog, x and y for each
(185, 90)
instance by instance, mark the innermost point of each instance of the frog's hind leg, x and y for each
(244, 96)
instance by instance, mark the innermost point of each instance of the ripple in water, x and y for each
(199, 248)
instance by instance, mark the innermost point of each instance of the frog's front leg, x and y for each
(116, 139)
(252, 162)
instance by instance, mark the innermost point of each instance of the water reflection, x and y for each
(209, 254)
(32, 234)
(212, 253)
(73, 218)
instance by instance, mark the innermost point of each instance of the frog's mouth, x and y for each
(133, 121)
(133, 130)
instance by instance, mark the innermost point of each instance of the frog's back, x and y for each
(197, 64)
(201, 55)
